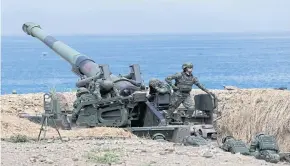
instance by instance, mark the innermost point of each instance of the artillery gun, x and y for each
(202, 118)
(130, 109)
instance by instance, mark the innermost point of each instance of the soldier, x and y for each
(157, 86)
(183, 85)
(230, 144)
(82, 94)
(265, 147)
(103, 89)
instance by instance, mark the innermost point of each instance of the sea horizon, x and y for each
(241, 59)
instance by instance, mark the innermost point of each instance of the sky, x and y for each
(74, 17)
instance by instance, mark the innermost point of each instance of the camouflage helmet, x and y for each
(153, 81)
(107, 85)
(82, 90)
(226, 138)
(187, 65)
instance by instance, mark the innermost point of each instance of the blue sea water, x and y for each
(243, 60)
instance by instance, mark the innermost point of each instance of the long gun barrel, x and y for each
(81, 64)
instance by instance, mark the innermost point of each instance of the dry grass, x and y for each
(248, 112)
(104, 156)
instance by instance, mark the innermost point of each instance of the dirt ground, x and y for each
(119, 152)
(244, 112)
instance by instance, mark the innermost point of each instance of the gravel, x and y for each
(119, 152)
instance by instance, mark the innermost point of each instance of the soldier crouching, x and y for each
(157, 87)
(183, 85)
(103, 89)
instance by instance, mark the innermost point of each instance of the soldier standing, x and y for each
(182, 88)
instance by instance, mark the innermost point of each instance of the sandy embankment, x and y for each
(244, 113)
(13, 105)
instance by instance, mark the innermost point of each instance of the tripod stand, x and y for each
(45, 118)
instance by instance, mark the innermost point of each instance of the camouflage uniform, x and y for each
(103, 89)
(82, 94)
(234, 146)
(157, 86)
(265, 147)
(182, 89)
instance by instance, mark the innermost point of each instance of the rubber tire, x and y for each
(158, 136)
(200, 132)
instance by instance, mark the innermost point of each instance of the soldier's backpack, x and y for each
(268, 142)
(195, 141)
(239, 146)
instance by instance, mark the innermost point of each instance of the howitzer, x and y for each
(130, 108)
(89, 72)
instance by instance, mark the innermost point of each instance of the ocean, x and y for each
(238, 59)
